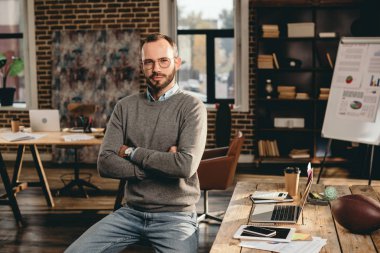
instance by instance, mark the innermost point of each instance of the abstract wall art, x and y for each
(93, 67)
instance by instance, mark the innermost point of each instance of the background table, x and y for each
(316, 220)
(49, 138)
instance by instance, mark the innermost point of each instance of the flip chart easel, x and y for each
(353, 112)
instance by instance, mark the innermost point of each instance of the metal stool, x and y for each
(77, 181)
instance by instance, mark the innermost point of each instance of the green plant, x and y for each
(10, 65)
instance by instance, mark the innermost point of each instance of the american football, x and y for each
(357, 213)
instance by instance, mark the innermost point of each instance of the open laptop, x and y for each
(283, 213)
(44, 120)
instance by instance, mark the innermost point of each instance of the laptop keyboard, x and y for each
(283, 213)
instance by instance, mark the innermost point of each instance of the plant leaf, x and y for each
(17, 66)
(3, 60)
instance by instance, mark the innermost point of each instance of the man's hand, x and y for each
(173, 149)
(122, 151)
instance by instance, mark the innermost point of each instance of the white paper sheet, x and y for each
(77, 137)
(313, 246)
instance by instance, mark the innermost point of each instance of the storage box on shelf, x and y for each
(301, 30)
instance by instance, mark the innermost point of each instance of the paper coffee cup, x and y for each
(15, 125)
(292, 177)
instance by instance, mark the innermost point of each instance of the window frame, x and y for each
(168, 25)
(29, 50)
(211, 35)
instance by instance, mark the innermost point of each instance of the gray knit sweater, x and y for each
(158, 181)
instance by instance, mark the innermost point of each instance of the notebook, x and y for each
(283, 213)
(44, 120)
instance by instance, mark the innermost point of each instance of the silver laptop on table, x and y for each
(44, 120)
(283, 213)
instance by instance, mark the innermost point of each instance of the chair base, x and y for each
(77, 181)
(206, 215)
(80, 183)
(203, 217)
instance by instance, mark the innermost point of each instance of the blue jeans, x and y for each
(166, 232)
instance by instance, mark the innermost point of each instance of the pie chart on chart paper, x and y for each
(356, 105)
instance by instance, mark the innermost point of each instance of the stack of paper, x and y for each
(20, 136)
(313, 246)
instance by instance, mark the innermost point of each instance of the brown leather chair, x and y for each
(217, 170)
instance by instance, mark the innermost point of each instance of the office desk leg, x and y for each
(18, 164)
(11, 197)
(42, 176)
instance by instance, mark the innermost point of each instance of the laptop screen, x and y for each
(308, 185)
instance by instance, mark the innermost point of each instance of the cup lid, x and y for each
(294, 170)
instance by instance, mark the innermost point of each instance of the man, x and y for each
(155, 140)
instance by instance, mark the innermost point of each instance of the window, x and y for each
(17, 40)
(205, 39)
(211, 36)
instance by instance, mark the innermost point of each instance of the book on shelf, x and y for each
(268, 148)
(275, 61)
(302, 95)
(329, 60)
(269, 27)
(286, 92)
(327, 35)
(265, 61)
(286, 95)
(324, 93)
(299, 153)
(324, 90)
(286, 88)
(295, 156)
(270, 31)
(271, 34)
(324, 96)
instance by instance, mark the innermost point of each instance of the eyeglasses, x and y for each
(163, 62)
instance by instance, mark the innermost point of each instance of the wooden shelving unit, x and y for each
(314, 73)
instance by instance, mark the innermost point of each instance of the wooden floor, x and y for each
(52, 230)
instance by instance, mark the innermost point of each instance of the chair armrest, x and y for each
(214, 152)
(216, 173)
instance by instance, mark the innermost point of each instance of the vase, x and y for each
(7, 96)
(268, 88)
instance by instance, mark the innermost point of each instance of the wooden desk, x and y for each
(316, 220)
(50, 138)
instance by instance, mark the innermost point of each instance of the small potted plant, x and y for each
(9, 66)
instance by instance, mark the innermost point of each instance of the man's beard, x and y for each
(156, 87)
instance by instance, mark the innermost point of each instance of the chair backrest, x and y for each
(234, 150)
(218, 173)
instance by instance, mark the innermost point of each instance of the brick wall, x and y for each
(142, 15)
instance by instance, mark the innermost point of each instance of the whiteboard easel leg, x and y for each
(371, 164)
(324, 159)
